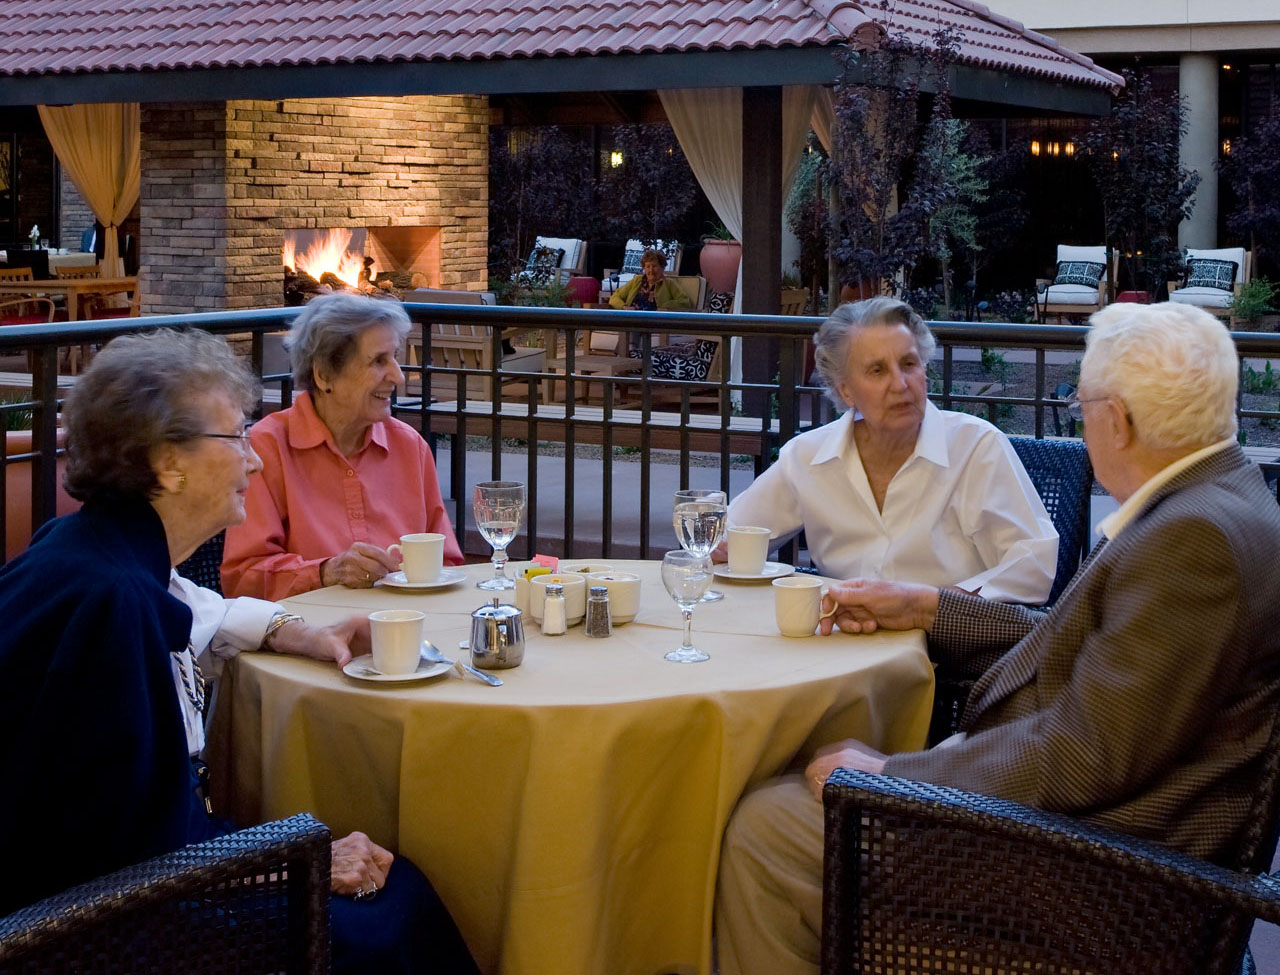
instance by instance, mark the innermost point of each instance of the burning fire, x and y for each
(330, 254)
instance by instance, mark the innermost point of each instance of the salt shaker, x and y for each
(598, 622)
(553, 616)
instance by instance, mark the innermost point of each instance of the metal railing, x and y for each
(656, 431)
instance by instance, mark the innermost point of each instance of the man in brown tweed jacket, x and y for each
(1142, 701)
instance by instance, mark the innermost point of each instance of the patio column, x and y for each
(761, 228)
(1198, 84)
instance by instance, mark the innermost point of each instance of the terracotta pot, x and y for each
(17, 510)
(718, 261)
(864, 288)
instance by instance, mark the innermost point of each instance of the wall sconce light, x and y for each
(1035, 147)
(1226, 147)
(615, 159)
(1054, 148)
(1069, 148)
(1114, 156)
(1226, 67)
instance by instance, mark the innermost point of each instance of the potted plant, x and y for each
(719, 259)
(1253, 301)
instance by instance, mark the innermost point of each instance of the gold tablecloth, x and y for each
(570, 819)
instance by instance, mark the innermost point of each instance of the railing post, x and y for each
(44, 439)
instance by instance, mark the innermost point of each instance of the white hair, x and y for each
(1173, 365)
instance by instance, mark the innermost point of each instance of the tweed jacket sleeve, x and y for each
(971, 633)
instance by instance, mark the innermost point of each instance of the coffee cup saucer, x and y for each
(361, 668)
(771, 570)
(397, 580)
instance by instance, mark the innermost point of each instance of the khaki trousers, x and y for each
(769, 895)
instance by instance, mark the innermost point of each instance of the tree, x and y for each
(877, 229)
(651, 193)
(956, 188)
(1132, 155)
(807, 218)
(1253, 171)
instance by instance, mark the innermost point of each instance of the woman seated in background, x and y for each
(896, 488)
(100, 691)
(650, 291)
(341, 480)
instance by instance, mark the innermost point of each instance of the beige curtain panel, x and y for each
(100, 148)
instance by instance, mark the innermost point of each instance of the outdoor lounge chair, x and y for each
(635, 250)
(1079, 287)
(1214, 278)
(252, 901)
(554, 259)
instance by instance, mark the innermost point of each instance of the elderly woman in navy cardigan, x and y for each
(100, 686)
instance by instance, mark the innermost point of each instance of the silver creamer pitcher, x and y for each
(497, 636)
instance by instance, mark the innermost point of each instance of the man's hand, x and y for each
(843, 754)
(359, 866)
(865, 605)
(358, 567)
(339, 642)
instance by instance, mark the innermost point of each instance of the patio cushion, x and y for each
(1086, 273)
(688, 360)
(1071, 294)
(571, 246)
(720, 302)
(1236, 254)
(636, 248)
(1203, 272)
(543, 263)
(1203, 297)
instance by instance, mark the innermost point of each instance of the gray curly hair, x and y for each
(328, 331)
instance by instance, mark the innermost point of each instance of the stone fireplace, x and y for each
(393, 259)
(224, 182)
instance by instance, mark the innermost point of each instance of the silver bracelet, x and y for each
(278, 621)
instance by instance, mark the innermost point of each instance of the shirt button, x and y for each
(351, 473)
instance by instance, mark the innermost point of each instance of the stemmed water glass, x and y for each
(686, 577)
(699, 521)
(498, 507)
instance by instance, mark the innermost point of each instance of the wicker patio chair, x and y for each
(253, 901)
(920, 877)
(204, 567)
(1063, 477)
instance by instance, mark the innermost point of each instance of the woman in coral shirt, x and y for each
(341, 479)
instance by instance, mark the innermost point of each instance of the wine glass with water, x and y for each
(699, 521)
(686, 577)
(498, 507)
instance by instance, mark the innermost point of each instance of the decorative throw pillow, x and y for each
(631, 260)
(720, 302)
(543, 264)
(1202, 272)
(1087, 273)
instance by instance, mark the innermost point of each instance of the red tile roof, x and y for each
(51, 37)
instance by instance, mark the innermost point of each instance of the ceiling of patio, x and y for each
(60, 51)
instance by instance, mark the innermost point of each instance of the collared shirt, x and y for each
(960, 511)
(220, 628)
(1114, 523)
(311, 502)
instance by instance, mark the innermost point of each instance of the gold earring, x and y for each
(182, 482)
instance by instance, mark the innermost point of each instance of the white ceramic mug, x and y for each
(575, 595)
(397, 640)
(421, 556)
(748, 549)
(797, 604)
(624, 593)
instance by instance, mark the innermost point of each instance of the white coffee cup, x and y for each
(748, 550)
(624, 593)
(421, 556)
(797, 604)
(575, 595)
(397, 640)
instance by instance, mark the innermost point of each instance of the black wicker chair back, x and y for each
(920, 877)
(1063, 477)
(252, 901)
(204, 568)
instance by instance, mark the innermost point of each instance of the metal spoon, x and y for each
(431, 652)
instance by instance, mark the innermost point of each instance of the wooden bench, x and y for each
(626, 427)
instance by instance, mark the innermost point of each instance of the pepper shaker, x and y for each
(553, 614)
(598, 621)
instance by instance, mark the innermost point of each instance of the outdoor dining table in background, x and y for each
(571, 819)
(73, 289)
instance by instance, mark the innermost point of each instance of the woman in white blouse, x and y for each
(896, 488)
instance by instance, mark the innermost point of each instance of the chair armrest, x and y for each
(939, 869)
(258, 897)
(1173, 286)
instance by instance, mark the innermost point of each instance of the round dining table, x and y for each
(571, 819)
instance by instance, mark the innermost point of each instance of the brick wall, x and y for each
(222, 181)
(76, 216)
